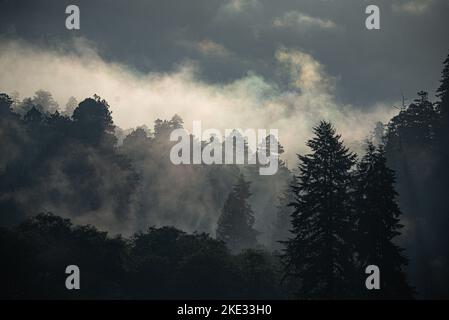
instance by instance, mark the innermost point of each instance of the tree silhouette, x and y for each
(321, 250)
(443, 95)
(14, 142)
(93, 122)
(378, 224)
(38, 250)
(5, 104)
(235, 225)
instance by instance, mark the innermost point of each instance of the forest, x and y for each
(76, 189)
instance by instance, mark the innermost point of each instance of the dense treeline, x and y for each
(416, 146)
(65, 164)
(309, 233)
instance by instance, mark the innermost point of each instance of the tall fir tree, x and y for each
(321, 251)
(443, 95)
(378, 224)
(235, 225)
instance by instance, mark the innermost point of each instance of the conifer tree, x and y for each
(321, 251)
(235, 225)
(378, 224)
(443, 95)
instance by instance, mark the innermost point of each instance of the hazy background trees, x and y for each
(235, 225)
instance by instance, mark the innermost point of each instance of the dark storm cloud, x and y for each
(230, 38)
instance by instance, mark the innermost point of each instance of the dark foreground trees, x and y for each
(344, 220)
(378, 226)
(321, 250)
(161, 263)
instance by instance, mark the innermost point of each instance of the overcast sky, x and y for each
(287, 60)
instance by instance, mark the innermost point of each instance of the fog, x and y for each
(137, 99)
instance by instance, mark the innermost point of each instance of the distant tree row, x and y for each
(80, 164)
(68, 163)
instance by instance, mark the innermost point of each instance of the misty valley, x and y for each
(141, 217)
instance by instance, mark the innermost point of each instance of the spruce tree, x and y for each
(235, 225)
(443, 95)
(321, 251)
(378, 224)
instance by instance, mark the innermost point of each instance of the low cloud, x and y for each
(415, 7)
(137, 99)
(207, 48)
(236, 6)
(300, 21)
